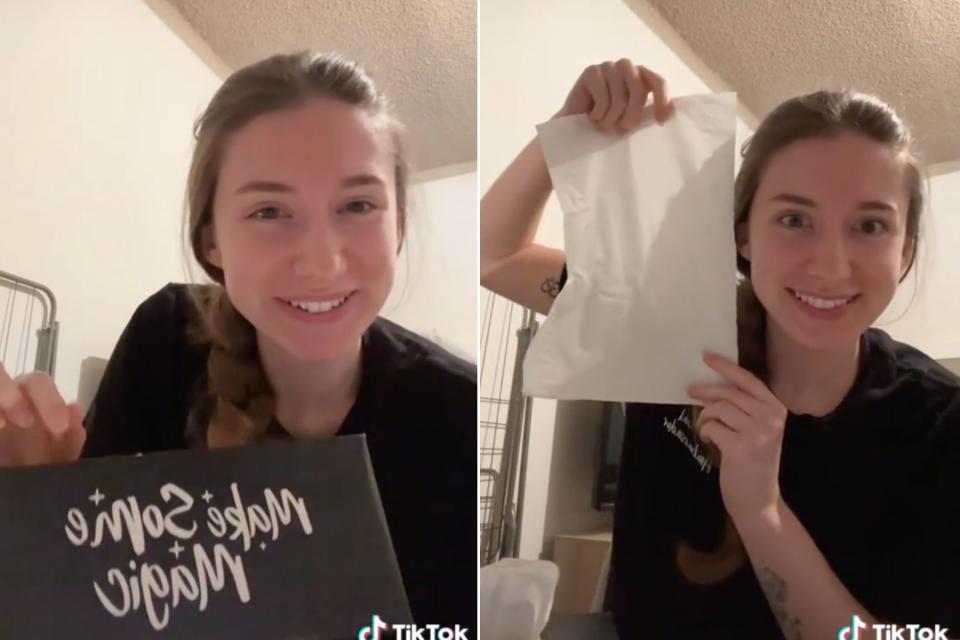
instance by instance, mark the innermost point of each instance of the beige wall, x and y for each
(953, 364)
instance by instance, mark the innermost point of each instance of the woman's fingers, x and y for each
(707, 393)
(24, 447)
(14, 408)
(661, 101)
(617, 89)
(614, 94)
(76, 415)
(595, 87)
(46, 401)
(718, 434)
(52, 431)
(726, 413)
(637, 96)
(70, 442)
(740, 377)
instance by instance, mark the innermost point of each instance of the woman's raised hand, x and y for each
(613, 96)
(36, 425)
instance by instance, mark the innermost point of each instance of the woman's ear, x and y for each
(401, 229)
(210, 250)
(742, 238)
(909, 255)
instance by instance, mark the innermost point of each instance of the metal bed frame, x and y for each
(22, 297)
(504, 424)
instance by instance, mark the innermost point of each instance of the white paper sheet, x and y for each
(651, 260)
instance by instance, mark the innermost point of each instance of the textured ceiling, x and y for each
(422, 53)
(905, 51)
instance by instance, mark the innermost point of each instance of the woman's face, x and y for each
(305, 226)
(826, 238)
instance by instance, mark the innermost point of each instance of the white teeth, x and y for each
(318, 307)
(822, 303)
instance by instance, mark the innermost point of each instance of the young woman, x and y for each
(296, 210)
(832, 491)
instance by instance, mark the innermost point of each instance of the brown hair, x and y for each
(823, 114)
(237, 403)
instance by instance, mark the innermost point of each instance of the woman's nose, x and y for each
(318, 253)
(830, 259)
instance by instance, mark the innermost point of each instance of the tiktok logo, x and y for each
(411, 631)
(373, 631)
(892, 631)
(852, 631)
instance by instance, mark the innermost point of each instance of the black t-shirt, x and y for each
(876, 484)
(416, 404)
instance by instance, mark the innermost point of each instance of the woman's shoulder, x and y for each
(418, 382)
(392, 349)
(172, 302)
(142, 399)
(903, 360)
(173, 308)
(164, 332)
(903, 373)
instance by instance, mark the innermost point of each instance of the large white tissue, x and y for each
(651, 260)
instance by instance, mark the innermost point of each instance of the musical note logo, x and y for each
(372, 632)
(852, 630)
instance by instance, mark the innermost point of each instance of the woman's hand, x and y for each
(613, 95)
(746, 422)
(36, 425)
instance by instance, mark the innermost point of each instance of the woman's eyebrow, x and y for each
(362, 180)
(868, 205)
(271, 186)
(265, 185)
(794, 199)
(877, 205)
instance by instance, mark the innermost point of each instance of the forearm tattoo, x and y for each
(551, 287)
(775, 589)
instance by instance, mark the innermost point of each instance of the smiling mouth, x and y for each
(318, 306)
(823, 303)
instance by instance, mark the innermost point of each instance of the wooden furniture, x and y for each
(583, 560)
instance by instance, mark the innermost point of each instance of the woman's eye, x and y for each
(266, 213)
(793, 221)
(359, 206)
(873, 227)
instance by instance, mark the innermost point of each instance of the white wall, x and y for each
(100, 101)
(99, 108)
(435, 293)
(926, 309)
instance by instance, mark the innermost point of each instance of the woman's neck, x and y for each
(808, 381)
(313, 398)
